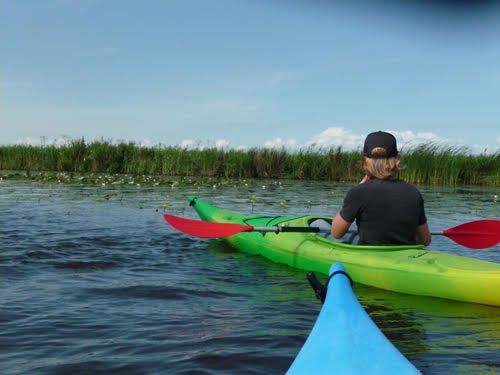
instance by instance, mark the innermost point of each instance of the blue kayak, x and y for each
(345, 340)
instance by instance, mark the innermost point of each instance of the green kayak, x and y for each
(405, 269)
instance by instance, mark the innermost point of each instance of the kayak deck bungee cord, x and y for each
(409, 269)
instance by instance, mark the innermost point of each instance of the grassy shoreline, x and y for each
(427, 164)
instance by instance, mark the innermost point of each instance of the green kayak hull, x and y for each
(404, 269)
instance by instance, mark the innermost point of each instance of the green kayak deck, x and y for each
(405, 269)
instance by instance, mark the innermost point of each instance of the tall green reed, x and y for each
(426, 164)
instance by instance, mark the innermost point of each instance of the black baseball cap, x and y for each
(383, 140)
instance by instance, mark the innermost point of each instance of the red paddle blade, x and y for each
(206, 229)
(479, 234)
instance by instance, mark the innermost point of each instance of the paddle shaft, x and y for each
(286, 229)
(479, 234)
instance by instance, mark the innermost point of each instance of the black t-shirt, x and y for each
(387, 212)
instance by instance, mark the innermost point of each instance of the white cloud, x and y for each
(146, 143)
(221, 144)
(281, 143)
(498, 140)
(330, 137)
(409, 138)
(187, 144)
(335, 137)
(350, 140)
(63, 140)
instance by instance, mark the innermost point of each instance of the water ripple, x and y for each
(84, 265)
(161, 292)
(96, 285)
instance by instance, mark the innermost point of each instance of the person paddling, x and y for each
(387, 210)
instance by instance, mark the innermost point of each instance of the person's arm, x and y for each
(423, 235)
(339, 226)
(349, 211)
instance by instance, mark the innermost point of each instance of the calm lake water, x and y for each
(93, 281)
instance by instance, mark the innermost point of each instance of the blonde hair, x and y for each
(383, 168)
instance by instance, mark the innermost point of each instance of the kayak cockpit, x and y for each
(325, 225)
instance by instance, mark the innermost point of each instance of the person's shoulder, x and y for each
(362, 189)
(356, 190)
(364, 186)
(403, 182)
(407, 185)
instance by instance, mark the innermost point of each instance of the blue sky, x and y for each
(250, 73)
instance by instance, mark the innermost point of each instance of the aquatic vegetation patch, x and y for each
(128, 163)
